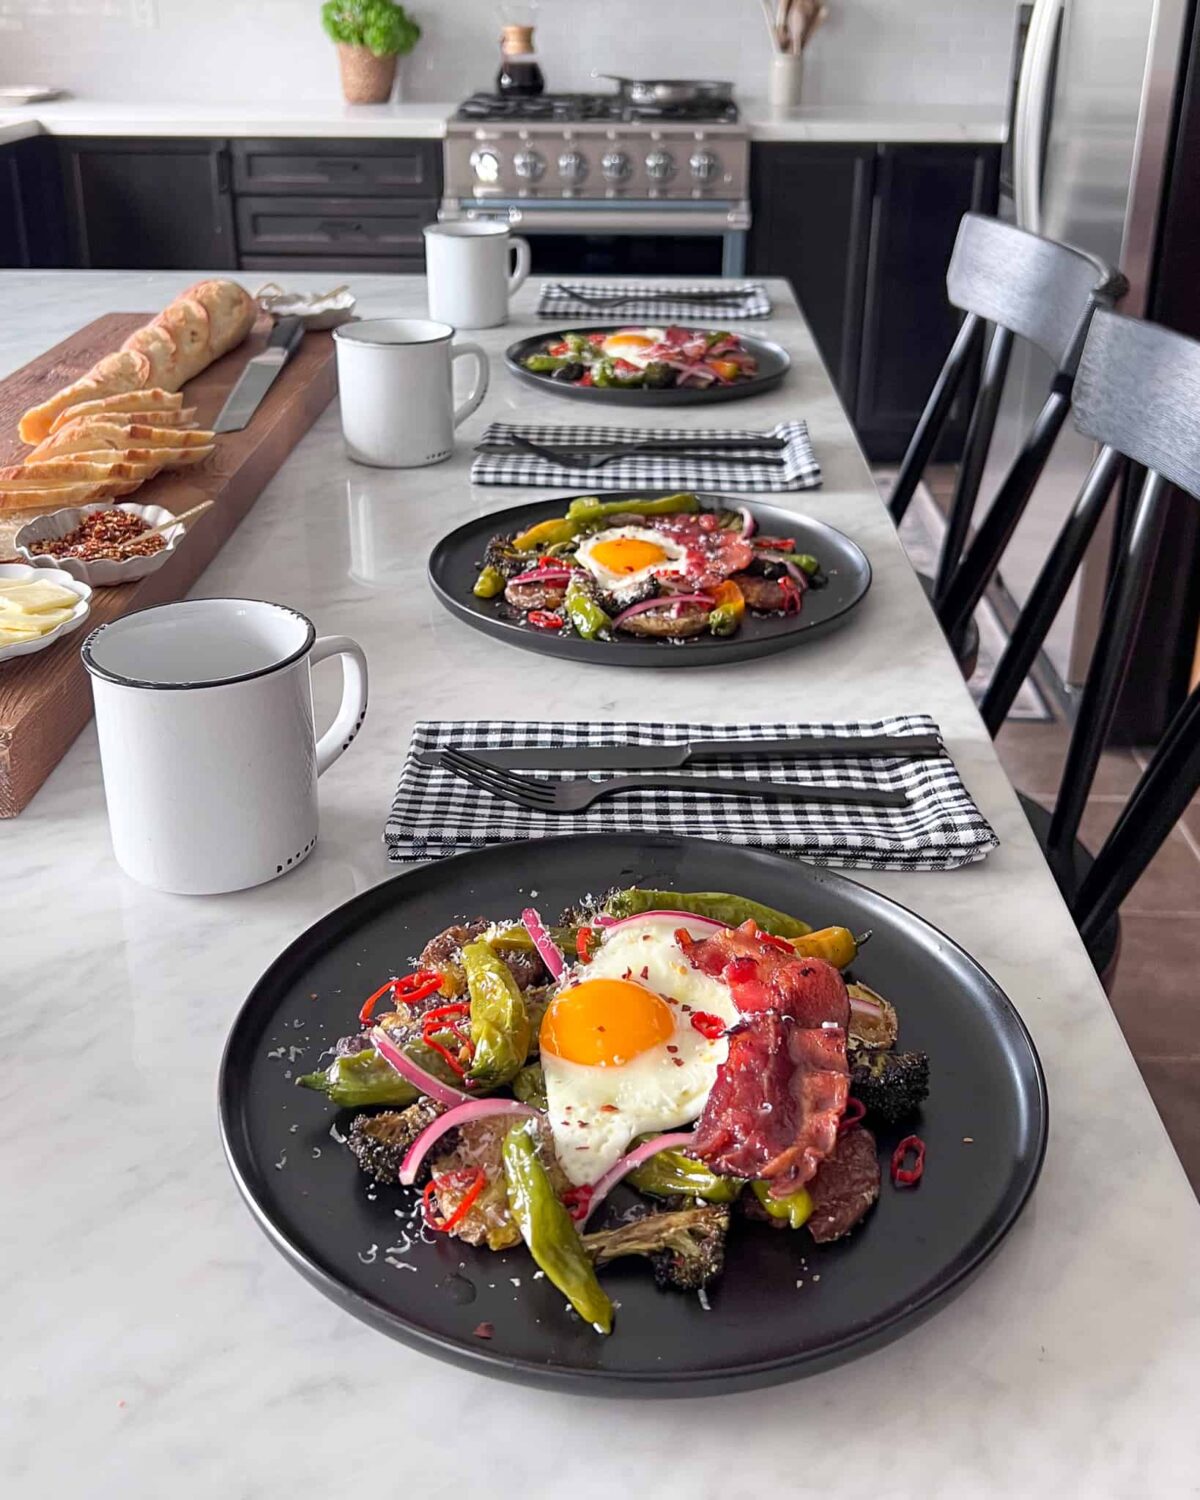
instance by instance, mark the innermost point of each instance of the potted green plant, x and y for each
(370, 35)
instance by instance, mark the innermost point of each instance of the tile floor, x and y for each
(1157, 974)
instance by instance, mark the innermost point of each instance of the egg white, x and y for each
(615, 348)
(674, 561)
(595, 1112)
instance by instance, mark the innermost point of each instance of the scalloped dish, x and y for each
(37, 606)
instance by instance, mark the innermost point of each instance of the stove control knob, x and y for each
(660, 166)
(530, 164)
(572, 166)
(485, 165)
(704, 166)
(616, 166)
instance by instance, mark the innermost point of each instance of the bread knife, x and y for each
(259, 374)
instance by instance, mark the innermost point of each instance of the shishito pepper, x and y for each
(548, 1230)
(719, 905)
(589, 508)
(500, 1029)
(796, 1208)
(670, 1173)
(589, 620)
(549, 533)
(836, 945)
(365, 1078)
(729, 607)
(489, 583)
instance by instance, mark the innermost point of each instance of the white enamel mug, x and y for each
(205, 717)
(396, 387)
(469, 274)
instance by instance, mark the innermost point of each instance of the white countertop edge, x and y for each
(329, 119)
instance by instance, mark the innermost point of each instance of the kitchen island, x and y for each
(156, 1344)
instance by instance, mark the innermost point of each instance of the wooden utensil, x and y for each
(164, 526)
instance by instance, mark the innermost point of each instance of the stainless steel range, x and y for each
(594, 168)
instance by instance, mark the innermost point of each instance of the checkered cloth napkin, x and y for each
(434, 814)
(719, 472)
(561, 299)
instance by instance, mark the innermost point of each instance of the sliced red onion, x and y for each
(749, 524)
(544, 575)
(604, 920)
(796, 572)
(680, 918)
(461, 1114)
(635, 1158)
(662, 601)
(865, 1008)
(548, 951)
(415, 1074)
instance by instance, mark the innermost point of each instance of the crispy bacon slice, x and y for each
(774, 1108)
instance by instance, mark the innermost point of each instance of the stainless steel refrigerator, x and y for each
(1093, 123)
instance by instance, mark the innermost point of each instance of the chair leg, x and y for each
(933, 418)
(1048, 592)
(975, 452)
(995, 530)
(1168, 784)
(1122, 610)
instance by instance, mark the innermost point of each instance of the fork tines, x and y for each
(535, 795)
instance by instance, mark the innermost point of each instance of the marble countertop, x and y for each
(150, 1329)
(329, 118)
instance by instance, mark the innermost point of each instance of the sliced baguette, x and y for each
(88, 434)
(54, 497)
(109, 463)
(156, 400)
(183, 418)
(115, 374)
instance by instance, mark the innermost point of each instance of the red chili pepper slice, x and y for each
(577, 1200)
(460, 1008)
(904, 1176)
(775, 543)
(476, 1182)
(585, 944)
(430, 1040)
(555, 562)
(371, 1001)
(543, 619)
(852, 1115)
(585, 378)
(684, 938)
(708, 1025)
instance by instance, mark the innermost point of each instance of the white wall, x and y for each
(871, 51)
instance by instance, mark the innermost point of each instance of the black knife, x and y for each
(699, 752)
(647, 445)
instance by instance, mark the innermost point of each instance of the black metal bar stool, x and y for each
(1137, 393)
(1026, 287)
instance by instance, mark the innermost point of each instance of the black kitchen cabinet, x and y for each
(14, 249)
(811, 211)
(153, 204)
(338, 169)
(32, 226)
(921, 193)
(864, 235)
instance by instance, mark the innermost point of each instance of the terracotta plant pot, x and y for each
(366, 79)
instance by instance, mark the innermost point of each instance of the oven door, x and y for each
(579, 238)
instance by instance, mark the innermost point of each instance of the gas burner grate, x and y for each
(588, 108)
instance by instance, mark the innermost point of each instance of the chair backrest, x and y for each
(1036, 288)
(1138, 394)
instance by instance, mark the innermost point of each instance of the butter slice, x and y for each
(14, 637)
(35, 597)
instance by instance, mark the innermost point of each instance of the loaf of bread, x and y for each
(204, 322)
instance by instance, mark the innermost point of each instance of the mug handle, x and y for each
(524, 261)
(479, 389)
(353, 708)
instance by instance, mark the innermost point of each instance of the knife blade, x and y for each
(661, 445)
(697, 752)
(259, 375)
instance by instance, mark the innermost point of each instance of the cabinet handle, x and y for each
(340, 166)
(337, 227)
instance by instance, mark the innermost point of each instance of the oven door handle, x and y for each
(562, 219)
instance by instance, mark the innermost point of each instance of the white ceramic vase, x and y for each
(786, 80)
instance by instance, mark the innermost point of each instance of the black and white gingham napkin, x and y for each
(720, 472)
(558, 299)
(434, 814)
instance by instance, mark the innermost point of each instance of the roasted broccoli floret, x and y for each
(686, 1249)
(891, 1085)
(379, 1142)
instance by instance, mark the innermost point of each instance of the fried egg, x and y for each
(623, 558)
(619, 1052)
(633, 345)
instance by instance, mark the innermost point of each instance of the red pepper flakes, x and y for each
(904, 1176)
(475, 1182)
(484, 1330)
(708, 1025)
(852, 1115)
(544, 619)
(645, 971)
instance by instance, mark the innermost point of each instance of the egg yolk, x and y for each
(605, 1022)
(619, 341)
(627, 554)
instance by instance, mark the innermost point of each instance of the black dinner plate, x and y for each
(454, 566)
(773, 364)
(785, 1306)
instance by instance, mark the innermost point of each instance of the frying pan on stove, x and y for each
(647, 93)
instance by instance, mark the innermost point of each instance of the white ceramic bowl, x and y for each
(22, 573)
(318, 311)
(105, 571)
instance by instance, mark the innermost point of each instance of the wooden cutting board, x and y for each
(46, 698)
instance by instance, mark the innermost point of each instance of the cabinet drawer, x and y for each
(383, 169)
(278, 266)
(333, 226)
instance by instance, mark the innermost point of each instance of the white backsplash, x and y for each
(210, 51)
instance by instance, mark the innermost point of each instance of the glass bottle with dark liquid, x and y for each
(520, 76)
